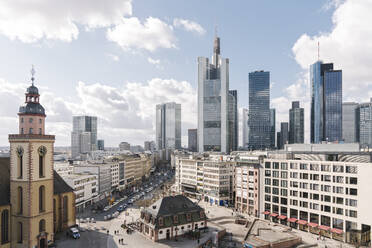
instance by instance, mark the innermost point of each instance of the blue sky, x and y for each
(254, 35)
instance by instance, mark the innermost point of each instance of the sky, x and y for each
(117, 59)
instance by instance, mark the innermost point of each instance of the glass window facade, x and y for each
(259, 110)
(296, 124)
(168, 126)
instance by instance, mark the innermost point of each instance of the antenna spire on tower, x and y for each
(33, 74)
(215, 30)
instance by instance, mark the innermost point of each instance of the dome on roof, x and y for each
(33, 90)
(32, 108)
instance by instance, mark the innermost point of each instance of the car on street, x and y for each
(74, 233)
(120, 209)
(107, 208)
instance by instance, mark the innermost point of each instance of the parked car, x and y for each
(106, 209)
(120, 209)
(74, 232)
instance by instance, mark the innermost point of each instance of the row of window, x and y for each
(313, 167)
(31, 120)
(41, 152)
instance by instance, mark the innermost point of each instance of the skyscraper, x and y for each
(233, 120)
(259, 110)
(193, 140)
(272, 127)
(101, 145)
(213, 101)
(365, 127)
(245, 128)
(326, 103)
(83, 135)
(350, 122)
(284, 134)
(296, 124)
(168, 126)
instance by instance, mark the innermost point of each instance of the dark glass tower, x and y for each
(272, 127)
(296, 124)
(259, 110)
(326, 103)
(233, 120)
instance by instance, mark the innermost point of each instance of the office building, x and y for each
(193, 140)
(247, 184)
(149, 146)
(124, 146)
(365, 127)
(272, 127)
(208, 178)
(213, 102)
(101, 145)
(83, 135)
(245, 128)
(350, 122)
(325, 193)
(168, 126)
(326, 103)
(259, 110)
(233, 120)
(284, 135)
(296, 124)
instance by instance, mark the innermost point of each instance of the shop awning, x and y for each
(282, 217)
(302, 222)
(274, 214)
(325, 228)
(312, 224)
(337, 231)
(266, 212)
(293, 220)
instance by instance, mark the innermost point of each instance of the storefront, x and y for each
(282, 219)
(292, 222)
(313, 228)
(324, 231)
(302, 225)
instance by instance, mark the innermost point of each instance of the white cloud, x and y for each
(125, 113)
(151, 35)
(347, 45)
(153, 61)
(188, 25)
(113, 57)
(31, 21)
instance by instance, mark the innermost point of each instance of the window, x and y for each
(303, 166)
(65, 209)
(20, 200)
(5, 227)
(42, 226)
(353, 191)
(175, 219)
(30, 120)
(284, 166)
(20, 161)
(267, 181)
(20, 233)
(161, 221)
(41, 198)
(276, 165)
(42, 151)
(40, 131)
(40, 121)
(22, 120)
(22, 130)
(267, 165)
(353, 180)
(284, 174)
(31, 131)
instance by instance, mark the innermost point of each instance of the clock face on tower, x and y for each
(42, 151)
(20, 151)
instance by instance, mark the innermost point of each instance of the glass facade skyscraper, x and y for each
(83, 135)
(350, 122)
(213, 102)
(233, 120)
(193, 140)
(272, 127)
(365, 127)
(296, 124)
(168, 126)
(245, 128)
(259, 110)
(326, 103)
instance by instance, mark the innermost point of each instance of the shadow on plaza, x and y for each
(88, 239)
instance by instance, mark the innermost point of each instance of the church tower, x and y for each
(31, 176)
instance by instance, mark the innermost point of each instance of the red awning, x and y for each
(312, 224)
(325, 228)
(337, 231)
(266, 212)
(292, 220)
(282, 217)
(302, 222)
(273, 214)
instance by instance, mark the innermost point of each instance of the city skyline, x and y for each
(70, 92)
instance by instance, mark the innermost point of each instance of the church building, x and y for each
(35, 202)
